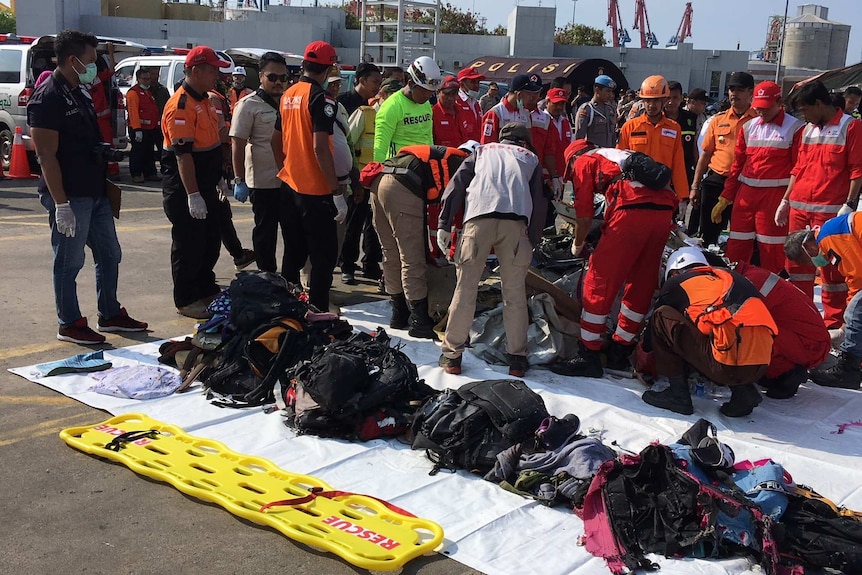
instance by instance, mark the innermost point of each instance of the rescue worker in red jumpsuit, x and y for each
(765, 152)
(520, 105)
(560, 127)
(638, 220)
(447, 116)
(802, 341)
(100, 91)
(825, 182)
(467, 101)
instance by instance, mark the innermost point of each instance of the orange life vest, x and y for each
(740, 326)
(431, 173)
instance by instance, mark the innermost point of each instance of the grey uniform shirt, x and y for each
(597, 123)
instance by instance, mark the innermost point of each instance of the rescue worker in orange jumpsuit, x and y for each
(766, 150)
(143, 128)
(802, 342)
(655, 135)
(717, 150)
(838, 243)
(715, 321)
(638, 220)
(238, 91)
(824, 182)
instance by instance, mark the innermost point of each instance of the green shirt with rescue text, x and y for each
(401, 122)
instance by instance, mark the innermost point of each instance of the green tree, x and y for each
(453, 20)
(7, 23)
(580, 35)
(500, 30)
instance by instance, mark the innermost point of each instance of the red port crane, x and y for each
(648, 39)
(619, 33)
(684, 30)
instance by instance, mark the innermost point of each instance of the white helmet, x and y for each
(425, 73)
(683, 258)
(239, 71)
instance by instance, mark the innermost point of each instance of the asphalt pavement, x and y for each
(66, 512)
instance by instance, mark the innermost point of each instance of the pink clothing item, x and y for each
(42, 77)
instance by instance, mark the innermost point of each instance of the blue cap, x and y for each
(606, 81)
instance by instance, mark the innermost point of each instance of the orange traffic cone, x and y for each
(19, 167)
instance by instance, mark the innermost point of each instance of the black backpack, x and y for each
(248, 365)
(258, 297)
(467, 428)
(356, 384)
(819, 534)
(641, 168)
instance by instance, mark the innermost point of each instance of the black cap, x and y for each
(698, 94)
(741, 80)
(531, 83)
(516, 131)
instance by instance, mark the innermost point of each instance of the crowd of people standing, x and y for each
(413, 183)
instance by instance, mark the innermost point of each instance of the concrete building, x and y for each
(291, 28)
(814, 41)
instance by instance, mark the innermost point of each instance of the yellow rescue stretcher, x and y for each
(362, 530)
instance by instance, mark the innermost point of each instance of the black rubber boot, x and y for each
(587, 364)
(845, 373)
(618, 359)
(400, 312)
(675, 398)
(785, 385)
(743, 400)
(421, 324)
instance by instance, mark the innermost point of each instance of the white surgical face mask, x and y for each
(473, 93)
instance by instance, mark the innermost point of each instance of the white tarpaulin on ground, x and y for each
(486, 527)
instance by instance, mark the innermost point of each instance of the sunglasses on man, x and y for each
(277, 78)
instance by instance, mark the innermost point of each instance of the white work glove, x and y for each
(845, 209)
(557, 187)
(197, 206)
(444, 240)
(577, 249)
(782, 213)
(139, 136)
(65, 219)
(341, 206)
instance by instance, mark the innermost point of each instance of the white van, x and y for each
(22, 59)
(170, 63)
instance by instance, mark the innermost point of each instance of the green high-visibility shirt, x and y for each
(401, 122)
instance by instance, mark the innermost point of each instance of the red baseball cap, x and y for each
(449, 82)
(470, 74)
(557, 95)
(320, 52)
(765, 94)
(204, 55)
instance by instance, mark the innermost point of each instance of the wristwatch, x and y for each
(238, 181)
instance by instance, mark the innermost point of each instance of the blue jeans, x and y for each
(94, 228)
(852, 343)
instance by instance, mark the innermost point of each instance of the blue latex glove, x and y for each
(240, 192)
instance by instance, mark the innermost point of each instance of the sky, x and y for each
(716, 24)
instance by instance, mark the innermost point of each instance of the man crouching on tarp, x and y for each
(499, 188)
(715, 321)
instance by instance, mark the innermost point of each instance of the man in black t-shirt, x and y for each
(366, 84)
(73, 190)
(688, 123)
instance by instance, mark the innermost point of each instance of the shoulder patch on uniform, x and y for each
(181, 105)
(489, 129)
(329, 109)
